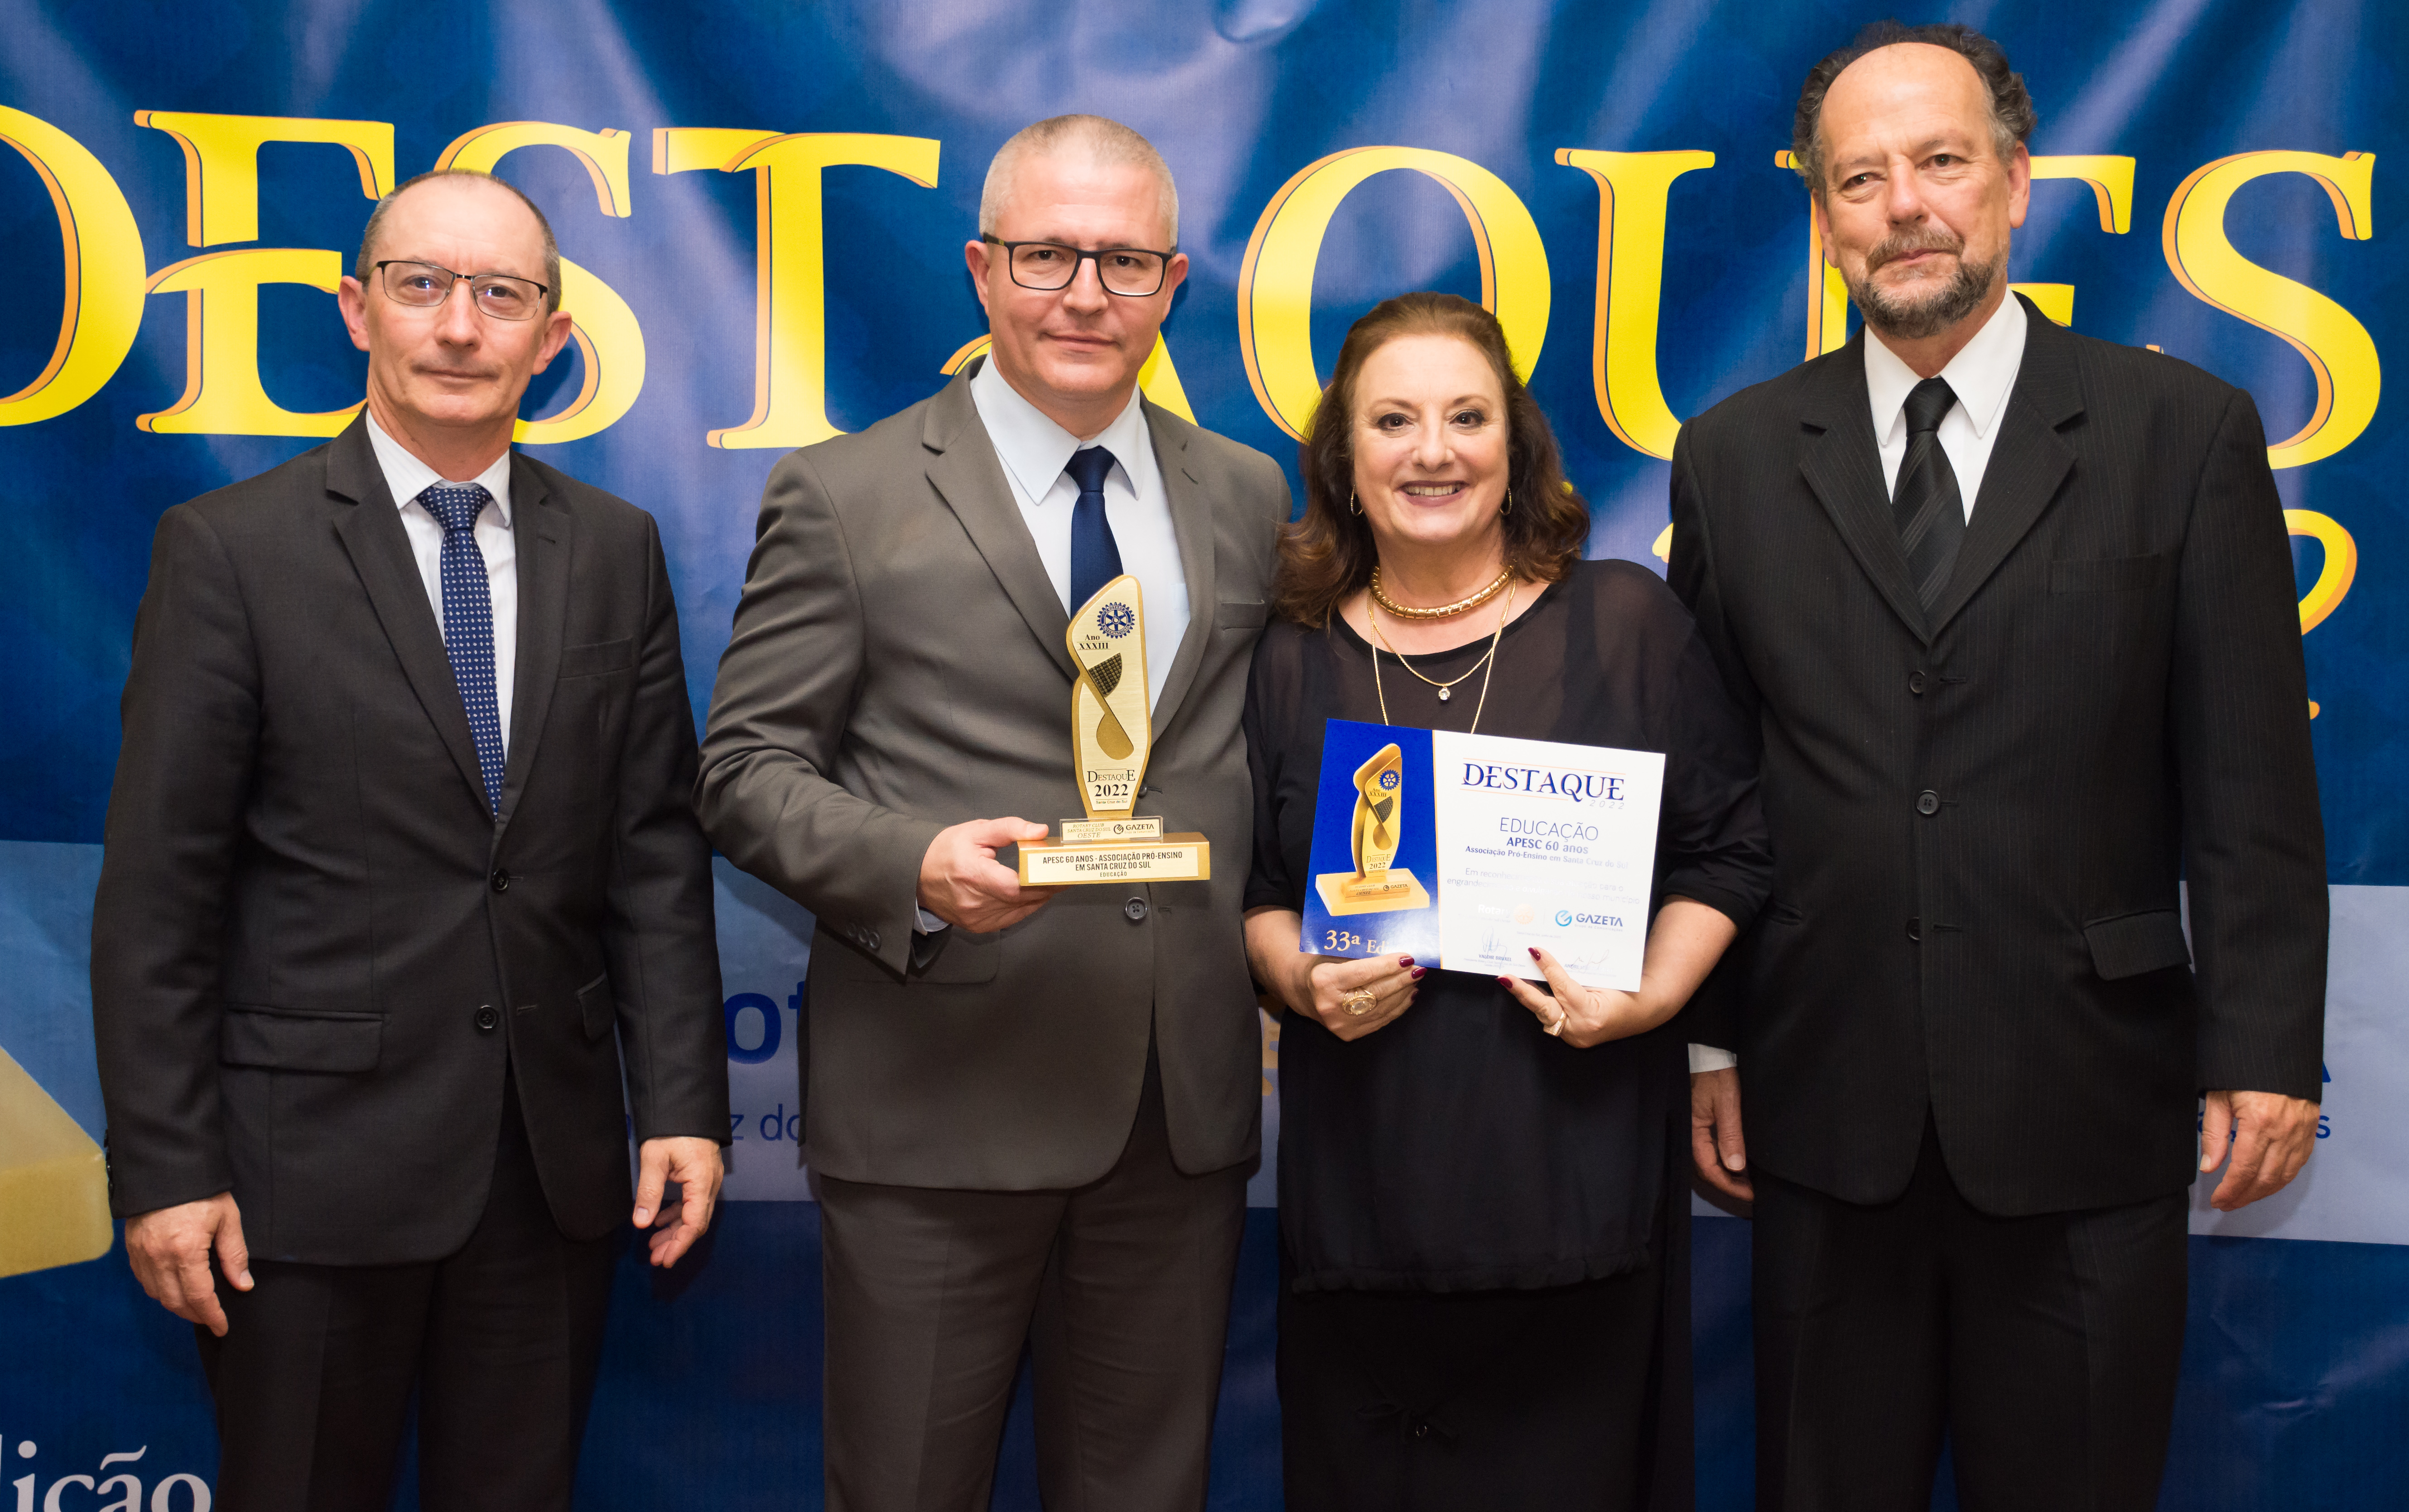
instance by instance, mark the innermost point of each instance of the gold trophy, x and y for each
(1375, 886)
(1111, 737)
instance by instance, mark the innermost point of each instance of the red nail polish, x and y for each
(1419, 972)
(1535, 953)
(1404, 961)
(1506, 982)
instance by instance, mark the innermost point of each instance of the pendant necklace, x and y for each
(1446, 689)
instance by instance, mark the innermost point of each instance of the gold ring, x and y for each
(1557, 1028)
(1358, 1003)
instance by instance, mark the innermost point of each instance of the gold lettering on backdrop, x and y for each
(2111, 180)
(102, 248)
(2328, 338)
(2334, 575)
(1158, 380)
(1276, 281)
(221, 164)
(223, 392)
(222, 395)
(1633, 192)
(790, 299)
(610, 343)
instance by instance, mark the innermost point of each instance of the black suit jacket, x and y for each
(315, 952)
(1980, 818)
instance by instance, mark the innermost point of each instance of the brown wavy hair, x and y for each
(1328, 554)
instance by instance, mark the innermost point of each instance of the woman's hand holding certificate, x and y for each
(1683, 944)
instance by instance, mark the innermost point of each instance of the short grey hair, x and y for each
(2012, 107)
(1103, 142)
(375, 229)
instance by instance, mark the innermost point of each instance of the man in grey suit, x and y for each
(1030, 1113)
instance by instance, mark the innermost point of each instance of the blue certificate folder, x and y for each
(1405, 924)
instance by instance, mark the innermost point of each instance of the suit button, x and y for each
(1915, 931)
(489, 1018)
(1927, 803)
(870, 939)
(502, 880)
(1135, 911)
(1915, 684)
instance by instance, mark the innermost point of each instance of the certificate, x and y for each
(1470, 849)
(1548, 844)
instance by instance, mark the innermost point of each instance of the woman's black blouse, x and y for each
(1460, 1149)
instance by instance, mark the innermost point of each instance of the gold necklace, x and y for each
(1403, 612)
(1446, 689)
(1490, 660)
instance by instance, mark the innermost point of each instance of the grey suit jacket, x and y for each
(897, 665)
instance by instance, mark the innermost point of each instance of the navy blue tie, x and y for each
(468, 621)
(1095, 559)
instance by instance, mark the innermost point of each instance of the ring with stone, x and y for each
(1358, 1003)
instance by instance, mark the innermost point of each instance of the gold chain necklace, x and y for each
(1403, 612)
(1489, 659)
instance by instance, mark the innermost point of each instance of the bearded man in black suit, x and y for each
(2013, 610)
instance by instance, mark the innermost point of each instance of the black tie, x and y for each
(1931, 512)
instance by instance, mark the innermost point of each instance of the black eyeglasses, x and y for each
(1132, 272)
(425, 285)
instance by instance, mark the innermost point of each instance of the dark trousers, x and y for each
(1121, 1289)
(2046, 1348)
(314, 1377)
(1502, 1401)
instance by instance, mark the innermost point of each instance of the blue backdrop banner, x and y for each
(762, 206)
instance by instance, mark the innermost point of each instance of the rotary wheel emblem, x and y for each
(1116, 620)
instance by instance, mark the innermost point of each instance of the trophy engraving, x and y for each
(1111, 737)
(1375, 886)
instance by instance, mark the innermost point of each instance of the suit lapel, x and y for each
(372, 533)
(1843, 462)
(968, 476)
(2029, 460)
(542, 534)
(1191, 522)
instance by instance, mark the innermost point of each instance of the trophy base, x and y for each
(1114, 850)
(1344, 893)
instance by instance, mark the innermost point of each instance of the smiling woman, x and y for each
(1481, 1213)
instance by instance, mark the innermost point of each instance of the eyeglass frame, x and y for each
(1079, 255)
(542, 291)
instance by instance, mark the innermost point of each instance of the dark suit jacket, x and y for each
(1980, 821)
(314, 950)
(897, 665)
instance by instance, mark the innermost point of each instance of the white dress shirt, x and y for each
(1982, 375)
(1034, 450)
(407, 477)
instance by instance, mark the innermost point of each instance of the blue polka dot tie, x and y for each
(1095, 556)
(468, 621)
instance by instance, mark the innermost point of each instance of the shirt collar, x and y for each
(407, 477)
(1982, 375)
(1036, 449)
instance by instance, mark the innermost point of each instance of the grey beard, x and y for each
(1966, 290)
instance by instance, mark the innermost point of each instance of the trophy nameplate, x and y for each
(1111, 737)
(1375, 886)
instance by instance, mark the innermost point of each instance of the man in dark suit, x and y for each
(401, 876)
(2013, 610)
(1029, 1111)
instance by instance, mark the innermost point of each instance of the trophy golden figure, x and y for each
(1375, 886)
(1111, 737)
